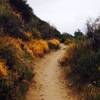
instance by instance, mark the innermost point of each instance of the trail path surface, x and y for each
(50, 83)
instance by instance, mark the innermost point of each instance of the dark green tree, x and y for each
(78, 34)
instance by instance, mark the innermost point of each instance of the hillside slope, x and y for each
(17, 14)
(23, 37)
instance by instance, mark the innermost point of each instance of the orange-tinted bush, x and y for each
(38, 47)
(3, 69)
(15, 66)
(11, 41)
(54, 43)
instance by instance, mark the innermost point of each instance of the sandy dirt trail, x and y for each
(49, 79)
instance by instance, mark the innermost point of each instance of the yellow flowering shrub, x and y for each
(12, 41)
(3, 69)
(54, 43)
(38, 47)
(15, 68)
(44, 45)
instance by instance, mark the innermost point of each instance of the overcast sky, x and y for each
(66, 15)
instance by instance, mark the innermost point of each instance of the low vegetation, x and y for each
(54, 44)
(83, 59)
(38, 47)
(15, 69)
(23, 37)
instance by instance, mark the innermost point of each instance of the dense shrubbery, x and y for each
(38, 47)
(84, 64)
(21, 40)
(15, 69)
(83, 59)
(16, 57)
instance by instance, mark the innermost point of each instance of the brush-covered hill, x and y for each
(17, 19)
(23, 37)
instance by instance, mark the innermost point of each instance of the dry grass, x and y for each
(68, 54)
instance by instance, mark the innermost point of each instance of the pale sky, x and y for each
(66, 15)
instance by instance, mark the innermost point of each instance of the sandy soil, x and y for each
(50, 83)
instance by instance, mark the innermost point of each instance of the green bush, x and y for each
(85, 64)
